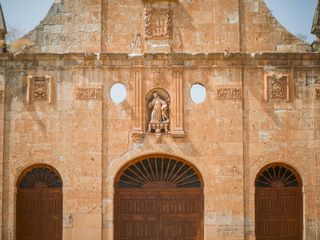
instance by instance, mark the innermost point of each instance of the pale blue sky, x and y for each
(295, 15)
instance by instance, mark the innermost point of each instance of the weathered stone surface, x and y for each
(89, 138)
(186, 26)
(259, 108)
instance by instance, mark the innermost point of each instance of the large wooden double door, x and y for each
(39, 205)
(159, 199)
(278, 204)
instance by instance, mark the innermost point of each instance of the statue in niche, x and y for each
(158, 113)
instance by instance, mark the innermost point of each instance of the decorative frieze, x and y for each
(39, 89)
(158, 23)
(277, 87)
(317, 93)
(229, 93)
(88, 93)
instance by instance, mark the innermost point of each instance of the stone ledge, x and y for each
(162, 59)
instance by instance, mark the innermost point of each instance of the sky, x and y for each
(295, 15)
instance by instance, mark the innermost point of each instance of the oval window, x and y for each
(198, 93)
(118, 93)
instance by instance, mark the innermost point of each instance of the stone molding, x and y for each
(88, 93)
(276, 87)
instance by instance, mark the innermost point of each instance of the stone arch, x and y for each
(33, 166)
(278, 203)
(161, 155)
(147, 186)
(39, 203)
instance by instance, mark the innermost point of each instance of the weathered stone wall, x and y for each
(70, 26)
(65, 134)
(196, 26)
(229, 137)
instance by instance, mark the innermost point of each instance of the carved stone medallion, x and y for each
(158, 111)
(277, 87)
(229, 93)
(158, 23)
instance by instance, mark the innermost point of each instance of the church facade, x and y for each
(79, 162)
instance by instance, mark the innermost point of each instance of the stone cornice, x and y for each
(161, 59)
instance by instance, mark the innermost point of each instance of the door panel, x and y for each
(158, 215)
(278, 213)
(28, 212)
(139, 216)
(39, 214)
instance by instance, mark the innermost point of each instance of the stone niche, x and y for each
(169, 119)
(158, 25)
(158, 117)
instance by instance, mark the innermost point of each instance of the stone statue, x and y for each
(159, 118)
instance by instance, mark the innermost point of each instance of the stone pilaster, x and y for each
(2, 98)
(177, 117)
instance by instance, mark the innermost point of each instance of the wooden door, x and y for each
(39, 205)
(278, 204)
(158, 199)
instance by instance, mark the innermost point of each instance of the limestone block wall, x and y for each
(195, 26)
(229, 137)
(70, 26)
(281, 132)
(65, 134)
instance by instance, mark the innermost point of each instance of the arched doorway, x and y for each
(158, 198)
(278, 203)
(39, 204)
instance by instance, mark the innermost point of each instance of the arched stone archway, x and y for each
(158, 197)
(278, 203)
(39, 204)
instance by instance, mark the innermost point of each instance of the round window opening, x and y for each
(198, 93)
(118, 93)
